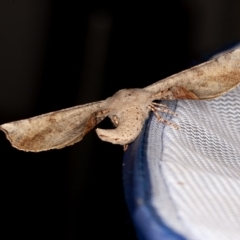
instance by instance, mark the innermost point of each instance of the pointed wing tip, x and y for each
(9, 130)
(6, 128)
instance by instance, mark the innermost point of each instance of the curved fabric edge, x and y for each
(137, 187)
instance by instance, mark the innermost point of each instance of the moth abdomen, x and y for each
(128, 124)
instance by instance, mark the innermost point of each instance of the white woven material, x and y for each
(196, 180)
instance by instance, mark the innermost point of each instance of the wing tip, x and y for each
(8, 129)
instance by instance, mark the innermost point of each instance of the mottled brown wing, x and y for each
(54, 130)
(207, 80)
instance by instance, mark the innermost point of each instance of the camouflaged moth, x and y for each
(128, 108)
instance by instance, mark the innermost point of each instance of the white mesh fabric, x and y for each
(195, 171)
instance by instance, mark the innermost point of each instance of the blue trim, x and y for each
(137, 186)
(136, 180)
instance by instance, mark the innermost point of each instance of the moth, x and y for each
(128, 108)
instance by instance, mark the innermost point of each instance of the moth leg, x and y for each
(115, 120)
(154, 109)
(125, 147)
(162, 108)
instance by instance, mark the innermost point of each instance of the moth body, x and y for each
(128, 112)
(127, 108)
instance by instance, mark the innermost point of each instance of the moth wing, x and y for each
(54, 130)
(207, 80)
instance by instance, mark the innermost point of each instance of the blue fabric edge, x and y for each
(136, 181)
(137, 188)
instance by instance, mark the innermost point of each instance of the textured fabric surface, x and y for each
(200, 165)
(138, 170)
(185, 184)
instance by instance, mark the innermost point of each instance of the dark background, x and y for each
(57, 54)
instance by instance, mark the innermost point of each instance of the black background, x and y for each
(57, 54)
